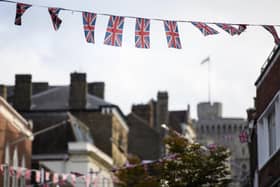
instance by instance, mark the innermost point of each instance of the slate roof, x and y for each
(56, 98)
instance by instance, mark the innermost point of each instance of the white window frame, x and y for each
(264, 154)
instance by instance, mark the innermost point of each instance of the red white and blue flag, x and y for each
(228, 28)
(243, 136)
(272, 30)
(21, 8)
(114, 31)
(89, 20)
(172, 34)
(241, 28)
(54, 16)
(142, 33)
(204, 28)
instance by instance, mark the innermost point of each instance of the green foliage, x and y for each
(137, 176)
(194, 166)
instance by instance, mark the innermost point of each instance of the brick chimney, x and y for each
(3, 91)
(96, 89)
(78, 91)
(162, 109)
(23, 92)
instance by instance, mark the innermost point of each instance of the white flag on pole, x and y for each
(207, 59)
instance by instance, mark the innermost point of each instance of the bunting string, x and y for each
(114, 31)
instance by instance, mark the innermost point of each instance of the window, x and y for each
(271, 132)
(218, 129)
(202, 129)
(235, 128)
(229, 128)
(213, 129)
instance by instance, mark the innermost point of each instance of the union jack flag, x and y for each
(241, 28)
(89, 20)
(204, 28)
(272, 30)
(54, 16)
(21, 8)
(228, 28)
(114, 31)
(243, 136)
(142, 33)
(172, 34)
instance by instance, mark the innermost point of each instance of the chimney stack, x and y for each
(23, 92)
(78, 91)
(162, 109)
(96, 89)
(3, 91)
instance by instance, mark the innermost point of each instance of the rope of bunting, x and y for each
(56, 178)
(114, 29)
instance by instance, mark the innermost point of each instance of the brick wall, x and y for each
(269, 86)
(100, 127)
(106, 131)
(270, 172)
(143, 141)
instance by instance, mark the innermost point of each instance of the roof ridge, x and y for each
(50, 90)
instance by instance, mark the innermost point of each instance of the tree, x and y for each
(195, 165)
(137, 174)
(191, 165)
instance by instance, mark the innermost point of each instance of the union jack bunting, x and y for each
(54, 16)
(1, 169)
(28, 174)
(114, 31)
(172, 34)
(89, 20)
(21, 8)
(204, 28)
(241, 28)
(142, 33)
(37, 176)
(243, 136)
(272, 30)
(228, 28)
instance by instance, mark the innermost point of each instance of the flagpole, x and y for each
(209, 76)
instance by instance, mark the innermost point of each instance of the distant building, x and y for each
(46, 104)
(212, 128)
(265, 125)
(145, 122)
(16, 146)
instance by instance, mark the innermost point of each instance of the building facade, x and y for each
(267, 123)
(212, 128)
(15, 142)
(85, 101)
(145, 122)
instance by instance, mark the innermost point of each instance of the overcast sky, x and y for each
(135, 75)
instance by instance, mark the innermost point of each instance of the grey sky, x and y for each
(135, 75)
